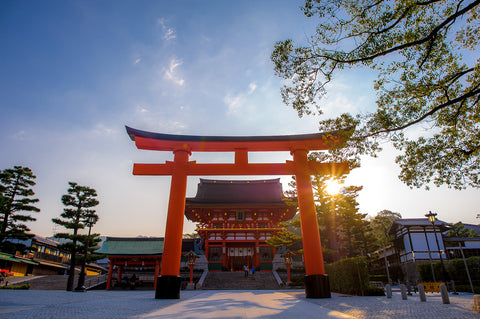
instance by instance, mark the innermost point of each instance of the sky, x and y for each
(74, 73)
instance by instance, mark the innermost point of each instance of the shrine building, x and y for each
(235, 218)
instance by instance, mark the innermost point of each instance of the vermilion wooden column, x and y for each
(316, 282)
(169, 282)
(109, 279)
(157, 272)
(119, 274)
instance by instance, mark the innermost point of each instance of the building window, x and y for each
(240, 215)
(217, 225)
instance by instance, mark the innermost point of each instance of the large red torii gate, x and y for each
(169, 281)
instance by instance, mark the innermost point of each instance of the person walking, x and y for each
(252, 270)
(245, 270)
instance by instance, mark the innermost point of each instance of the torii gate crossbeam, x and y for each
(169, 282)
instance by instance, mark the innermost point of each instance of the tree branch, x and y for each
(429, 113)
(408, 44)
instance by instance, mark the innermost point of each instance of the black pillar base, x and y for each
(168, 287)
(317, 286)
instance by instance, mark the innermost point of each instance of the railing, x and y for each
(95, 280)
(47, 257)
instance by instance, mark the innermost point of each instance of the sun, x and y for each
(333, 187)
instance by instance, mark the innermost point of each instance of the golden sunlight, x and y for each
(333, 187)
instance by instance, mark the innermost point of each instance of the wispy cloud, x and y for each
(141, 109)
(103, 129)
(137, 61)
(168, 32)
(252, 87)
(235, 102)
(171, 73)
(20, 135)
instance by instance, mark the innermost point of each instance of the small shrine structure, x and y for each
(131, 252)
(235, 218)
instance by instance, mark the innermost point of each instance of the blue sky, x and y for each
(74, 73)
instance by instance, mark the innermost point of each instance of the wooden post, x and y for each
(191, 274)
(119, 274)
(288, 274)
(110, 272)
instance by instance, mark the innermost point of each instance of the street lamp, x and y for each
(429, 254)
(191, 256)
(91, 219)
(288, 262)
(432, 217)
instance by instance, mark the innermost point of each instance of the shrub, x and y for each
(382, 278)
(455, 269)
(349, 276)
(374, 291)
(297, 281)
(467, 288)
(24, 286)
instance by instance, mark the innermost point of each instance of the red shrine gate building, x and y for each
(235, 218)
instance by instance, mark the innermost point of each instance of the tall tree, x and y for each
(15, 200)
(79, 203)
(289, 236)
(381, 225)
(426, 57)
(356, 234)
(343, 230)
(460, 231)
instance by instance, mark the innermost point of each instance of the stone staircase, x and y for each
(237, 281)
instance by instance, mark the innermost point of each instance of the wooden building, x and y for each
(235, 218)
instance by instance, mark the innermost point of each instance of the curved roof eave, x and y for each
(167, 142)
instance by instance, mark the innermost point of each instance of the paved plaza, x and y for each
(17, 304)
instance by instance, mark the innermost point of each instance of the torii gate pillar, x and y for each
(168, 284)
(316, 282)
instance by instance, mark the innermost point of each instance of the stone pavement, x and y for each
(18, 304)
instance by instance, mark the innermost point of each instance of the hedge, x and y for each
(24, 286)
(455, 269)
(349, 276)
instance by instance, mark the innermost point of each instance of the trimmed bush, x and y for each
(349, 276)
(374, 291)
(455, 269)
(467, 288)
(24, 286)
(297, 281)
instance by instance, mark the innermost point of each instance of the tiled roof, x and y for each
(417, 222)
(131, 246)
(267, 191)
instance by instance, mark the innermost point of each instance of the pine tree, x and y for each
(16, 199)
(79, 202)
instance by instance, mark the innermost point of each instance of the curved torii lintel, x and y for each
(169, 142)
